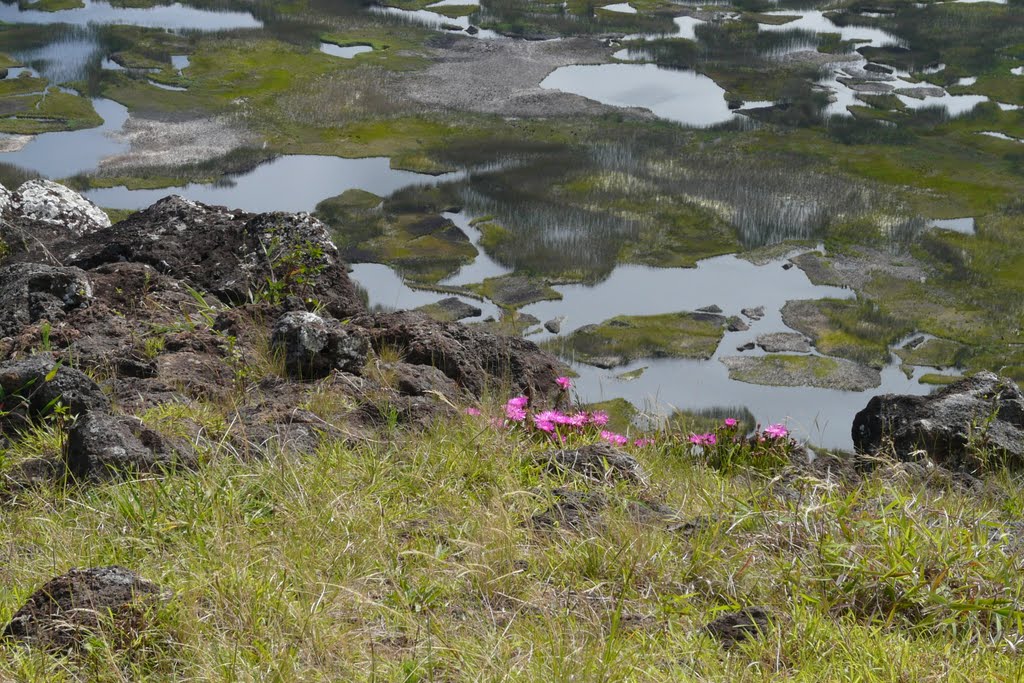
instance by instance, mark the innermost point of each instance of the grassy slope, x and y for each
(411, 559)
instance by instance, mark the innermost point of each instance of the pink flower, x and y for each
(776, 431)
(515, 409)
(613, 438)
(547, 420)
(576, 420)
(544, 425)
(642, 443)
(599, 418)
(472, 411)
(706, 439)
(730, 422)
(564, 382)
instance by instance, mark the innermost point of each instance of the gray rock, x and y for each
(423, 380)
(471, 355)
(600, 461)
(49, 202)
(777, 342)
(749, 346)
(956, 426)
(921, 92)
(30, 292)
(30, 392)
(102, 446)
(66, 611)
(713, 308)
(755, 313)
(554, 326)
(313, 346)
(736, 324)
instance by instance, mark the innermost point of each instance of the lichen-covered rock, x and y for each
(6, 200)
(313, 347)
(102, 446)
(32, 388)
(50, 202)
(470, 355)
(956, 426)
(30, 292)
(83, 603)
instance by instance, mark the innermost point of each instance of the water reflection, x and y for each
(683, 96)
(63, 154)
(822, 415)
(173, 17)
(288, 183)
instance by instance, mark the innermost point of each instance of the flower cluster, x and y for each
(558, 425)
(725, 447)
(706, 439)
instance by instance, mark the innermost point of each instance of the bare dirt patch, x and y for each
(176, 143)
(504, 76)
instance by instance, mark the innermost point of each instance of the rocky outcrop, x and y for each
(313, 346)
(233, 255)
(69, 609)
(471, 356)
(177, 303)
(958, 426)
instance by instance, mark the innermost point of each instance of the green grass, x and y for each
(413, 558)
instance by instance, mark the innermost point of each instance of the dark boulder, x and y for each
(471, 355)
(32, 388)
(600, 461)
(31, 292)
(313, 347)
(954, 426)
(102, 446)
(734, 627)
(84, 603)
(231, 254)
